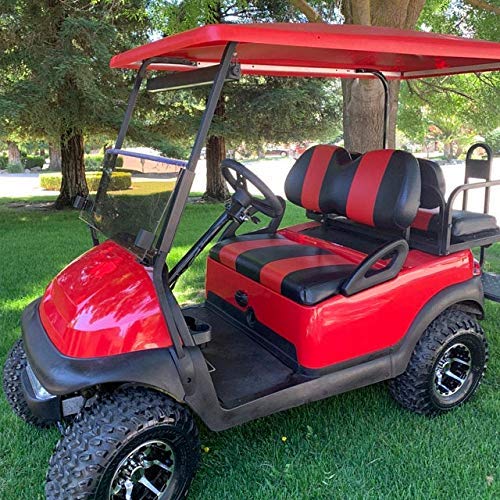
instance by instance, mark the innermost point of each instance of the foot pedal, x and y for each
(491, 286)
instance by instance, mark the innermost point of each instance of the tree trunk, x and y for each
(73, 169)
(216, 185)
(14, 155)
(363, 114)
(216, 152)
(363, 108)
(55, 156)
(216, 145)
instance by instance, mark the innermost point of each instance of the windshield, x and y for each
(132, 199)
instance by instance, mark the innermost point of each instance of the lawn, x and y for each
(356, 445)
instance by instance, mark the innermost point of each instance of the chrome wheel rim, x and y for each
(452, 370)
(145, 473)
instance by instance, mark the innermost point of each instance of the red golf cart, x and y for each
(378, 282)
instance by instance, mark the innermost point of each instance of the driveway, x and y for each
(272, 171)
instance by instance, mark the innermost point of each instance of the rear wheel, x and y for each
(132, 444)
(446, 366)
(14, 367)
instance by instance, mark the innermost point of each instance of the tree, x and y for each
(453, 109)
(363, 104)
(63, 88)
(274, 108)
(363, 99)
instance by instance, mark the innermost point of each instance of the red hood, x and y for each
(103, 303)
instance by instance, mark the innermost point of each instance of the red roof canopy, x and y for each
(322, 50)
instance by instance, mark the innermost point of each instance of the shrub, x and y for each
(15, 168)
(3, 162)
(93, 163)
(119, 181)
(33, 161)
(51, 182)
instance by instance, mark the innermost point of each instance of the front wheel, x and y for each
(133, 444)
(446, 366)
(13, 369)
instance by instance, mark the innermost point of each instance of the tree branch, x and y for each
(312, 15)
(484, 79)
(483, 5)
(443, 88)
(414, 91)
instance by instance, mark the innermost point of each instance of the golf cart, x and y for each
(378, 283)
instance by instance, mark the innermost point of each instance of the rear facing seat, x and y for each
(378, 189)
(465, 224)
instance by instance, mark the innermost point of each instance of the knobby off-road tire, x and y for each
(125, 431)
(14, 367)
(453, 335)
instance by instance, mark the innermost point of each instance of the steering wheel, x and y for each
(270, 205)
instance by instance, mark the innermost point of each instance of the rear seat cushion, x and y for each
(380, 188)
(304, 273)
(464, 223)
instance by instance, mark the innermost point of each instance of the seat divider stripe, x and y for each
(313, 180)
(365, 185)
(273, 274)
(230, 252)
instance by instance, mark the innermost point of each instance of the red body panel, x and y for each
(343, 328)
(104, 303)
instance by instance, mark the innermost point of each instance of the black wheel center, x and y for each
(145, 473)
(452, 370)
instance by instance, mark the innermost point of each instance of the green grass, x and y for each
(356, 445)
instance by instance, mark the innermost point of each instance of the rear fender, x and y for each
(467, 296)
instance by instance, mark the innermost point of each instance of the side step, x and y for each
(491, 285)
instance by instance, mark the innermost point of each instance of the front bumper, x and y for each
(62, 375)
(42, 404)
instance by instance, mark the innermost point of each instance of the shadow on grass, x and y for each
(356, 445)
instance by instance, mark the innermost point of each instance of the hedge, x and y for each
(119, 181)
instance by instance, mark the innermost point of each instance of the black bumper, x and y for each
(45, 408)
(62, 375)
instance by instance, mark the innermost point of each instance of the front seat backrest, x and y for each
(380, 188)
(307, 182)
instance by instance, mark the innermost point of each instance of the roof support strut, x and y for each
(385, 84)
(177, 327)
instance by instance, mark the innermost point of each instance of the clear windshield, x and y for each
(132, 205)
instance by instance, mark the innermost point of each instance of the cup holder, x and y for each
(201, 331)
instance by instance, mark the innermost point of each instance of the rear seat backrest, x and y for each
(380, 188)
(432, 177)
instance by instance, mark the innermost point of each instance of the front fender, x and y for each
(62, 375)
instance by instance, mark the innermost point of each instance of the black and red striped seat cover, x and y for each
(379, 188)
(304, 273)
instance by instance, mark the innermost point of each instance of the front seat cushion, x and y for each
(304, 273)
